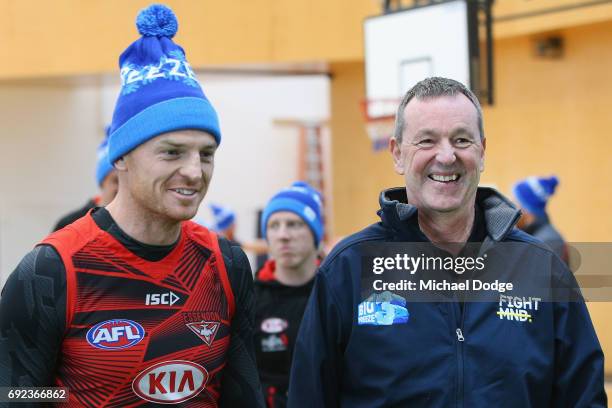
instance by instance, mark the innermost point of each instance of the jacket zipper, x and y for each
(460, 342)
(460, 335)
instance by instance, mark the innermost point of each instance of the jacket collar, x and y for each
(500, 215)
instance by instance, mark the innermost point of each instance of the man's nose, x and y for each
(191, 168)
(446, 153)
(283, 232)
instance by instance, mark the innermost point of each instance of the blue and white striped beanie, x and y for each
(223, 218)
(159, 91)
(533, 193)
(300, 199)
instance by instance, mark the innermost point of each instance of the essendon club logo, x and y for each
(170, 382)
(204, 330)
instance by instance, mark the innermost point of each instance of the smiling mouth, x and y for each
(445, 178)
(187, 192)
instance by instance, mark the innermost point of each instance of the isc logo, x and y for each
(115, 334)
(170, 382)
(154, 299)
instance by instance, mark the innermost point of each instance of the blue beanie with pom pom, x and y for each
(159, 91)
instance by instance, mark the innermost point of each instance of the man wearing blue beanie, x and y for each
(106, 177)
(292, 225)
(532, 195)
(141, 305)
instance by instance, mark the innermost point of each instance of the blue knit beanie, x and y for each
(103, 166)
(533, 193)
(300, 199)
(159, 91)
(223, 218)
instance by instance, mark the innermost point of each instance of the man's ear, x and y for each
(482, 155)
(396, 153)
(120, 164)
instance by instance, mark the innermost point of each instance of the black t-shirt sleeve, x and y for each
(240, 384)
(32, 319)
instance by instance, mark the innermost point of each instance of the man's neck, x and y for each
(141, 225)
(299, 275)
(448, 231)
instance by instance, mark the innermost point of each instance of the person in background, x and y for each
(107, 180)
(224, 222)
(532, 195)
(292, 225)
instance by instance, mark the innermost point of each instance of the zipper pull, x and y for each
(460, 335)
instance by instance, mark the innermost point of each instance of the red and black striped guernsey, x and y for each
(139, 332)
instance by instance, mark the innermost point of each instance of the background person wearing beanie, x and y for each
(135, 304)
(532, 195)
(106, 177)
(224, 225)
(292, 225)
(224, 222)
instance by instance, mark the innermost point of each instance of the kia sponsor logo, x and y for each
(115, 334)
(170, 382)
(154, 299)
(273, 325)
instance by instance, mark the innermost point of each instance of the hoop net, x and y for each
(379, 116)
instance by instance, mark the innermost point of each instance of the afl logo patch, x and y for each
(115, 334)
(170, 382)
(274, 325)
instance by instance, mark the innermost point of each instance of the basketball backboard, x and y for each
(404, 47)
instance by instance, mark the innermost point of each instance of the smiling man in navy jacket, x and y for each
(369, 349)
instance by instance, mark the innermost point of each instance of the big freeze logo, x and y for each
(382, 309)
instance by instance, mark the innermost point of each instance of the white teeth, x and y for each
(444, 178)
(185, 191)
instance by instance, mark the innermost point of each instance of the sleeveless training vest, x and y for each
(140, 332)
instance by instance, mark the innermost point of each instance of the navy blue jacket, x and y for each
(448, 354)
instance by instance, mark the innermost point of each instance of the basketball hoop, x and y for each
(379, 115)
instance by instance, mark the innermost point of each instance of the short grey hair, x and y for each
(432, 88)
